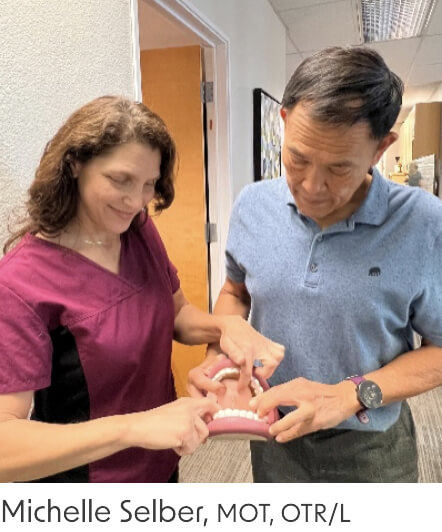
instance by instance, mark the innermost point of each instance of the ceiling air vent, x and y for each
(384, 20)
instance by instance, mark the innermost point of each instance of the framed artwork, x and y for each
(266, 136)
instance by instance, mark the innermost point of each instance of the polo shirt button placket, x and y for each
(313, 267)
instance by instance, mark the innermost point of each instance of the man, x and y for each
(340, 266)
(414, 176)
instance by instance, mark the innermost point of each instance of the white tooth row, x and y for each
(257, 388)
(228, 372)
(225, 372)
(233, 412)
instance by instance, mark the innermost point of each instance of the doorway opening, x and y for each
(179, 59)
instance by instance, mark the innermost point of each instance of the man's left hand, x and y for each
(318, 406)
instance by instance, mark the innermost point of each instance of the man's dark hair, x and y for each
(344, 85)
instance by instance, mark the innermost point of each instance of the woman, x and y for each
(91, 304)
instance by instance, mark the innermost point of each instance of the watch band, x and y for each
(357, 379)
(362, 414)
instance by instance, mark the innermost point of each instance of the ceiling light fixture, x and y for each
(384, 20)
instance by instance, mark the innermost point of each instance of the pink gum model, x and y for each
(233, 423)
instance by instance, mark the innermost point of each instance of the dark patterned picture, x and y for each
(266, 136)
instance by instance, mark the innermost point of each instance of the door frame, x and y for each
(216, 50)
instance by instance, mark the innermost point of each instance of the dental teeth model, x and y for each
(235, 420)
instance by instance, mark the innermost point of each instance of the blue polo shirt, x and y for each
(344, 300)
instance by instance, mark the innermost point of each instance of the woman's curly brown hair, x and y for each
(92, 130)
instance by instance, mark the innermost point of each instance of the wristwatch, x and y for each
(369, 395)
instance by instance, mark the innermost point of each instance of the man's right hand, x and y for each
(241, 342)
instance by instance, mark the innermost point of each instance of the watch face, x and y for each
(370, 394)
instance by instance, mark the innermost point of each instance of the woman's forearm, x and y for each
(31, 449)
(194, 327)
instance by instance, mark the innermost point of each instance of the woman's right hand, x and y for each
(31, 450)
(178, 425)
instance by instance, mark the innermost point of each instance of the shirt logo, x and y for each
(374, 272)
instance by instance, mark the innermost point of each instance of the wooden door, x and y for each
(171, 81)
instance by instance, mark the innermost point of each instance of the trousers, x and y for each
(336, 455)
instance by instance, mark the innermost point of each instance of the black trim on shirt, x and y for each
(66, 400)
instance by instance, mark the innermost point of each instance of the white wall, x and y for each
(387, 162)
(257, 60)
(437, 94)
(55, 56)
(389, 159)
(159, 31)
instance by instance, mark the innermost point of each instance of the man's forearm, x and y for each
(410, 374)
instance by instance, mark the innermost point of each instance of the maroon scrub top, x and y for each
(91, 343)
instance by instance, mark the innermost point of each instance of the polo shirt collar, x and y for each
(374, 208)
(290, 200)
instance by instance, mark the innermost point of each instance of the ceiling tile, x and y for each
(430, 50)
(292, 61)
(281, 5)
(398, 54)
(319, 26)
(435, 26)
